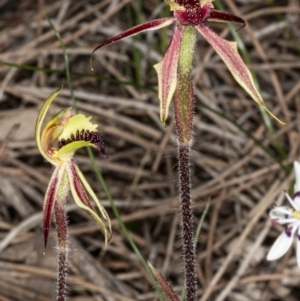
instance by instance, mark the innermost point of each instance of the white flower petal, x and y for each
(297, 199)
(295, 205)
(282, 212)
(291, 220)
(282, 244)
(297, 176)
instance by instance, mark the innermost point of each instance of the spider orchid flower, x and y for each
(69, 133)
(287, 216)
(196, 14)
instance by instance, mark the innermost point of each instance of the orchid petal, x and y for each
(53, 129)
(282, 244)
(93, 195)
(167, 73)
(39, 123)
(230, 56)
(220, 16)
(81, 198)
(79, 187)
(50, 199)
(151, 25)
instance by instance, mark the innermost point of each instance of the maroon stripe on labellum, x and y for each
(298, 236)
(85, 135)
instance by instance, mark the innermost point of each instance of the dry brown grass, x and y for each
(228, 168)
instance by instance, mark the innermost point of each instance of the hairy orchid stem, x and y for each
(183, 109)
(187, 222)
(62, 251)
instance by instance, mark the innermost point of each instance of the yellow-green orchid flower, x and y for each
(69, 133)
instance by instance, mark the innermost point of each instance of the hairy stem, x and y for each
(62, 251)
(183, 109)
(187, 222)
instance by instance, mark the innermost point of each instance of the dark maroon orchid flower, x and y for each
(195, 13)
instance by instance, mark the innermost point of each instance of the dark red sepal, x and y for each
(216, 15)
(48, 205)
(151, 25)
(131, 31)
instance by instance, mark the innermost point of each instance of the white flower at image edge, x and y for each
(290, 216)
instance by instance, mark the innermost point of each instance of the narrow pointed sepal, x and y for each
(220, 16)
(50, 199)
(167, 288)
(151, 25)
(229, 54)
(167, 73)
